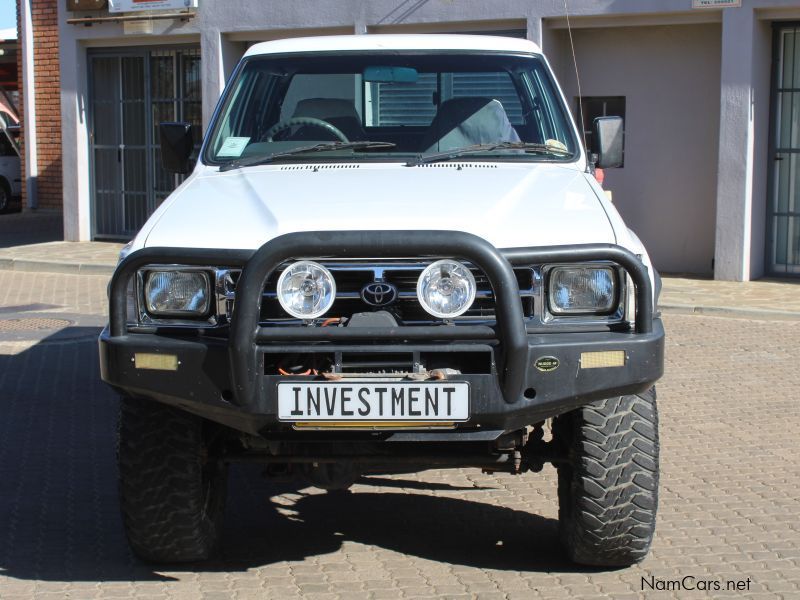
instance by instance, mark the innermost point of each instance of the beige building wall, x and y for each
(670, 77)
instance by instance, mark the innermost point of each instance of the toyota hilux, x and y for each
(390, 254)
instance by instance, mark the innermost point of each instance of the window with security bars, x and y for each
(415, 104)
(131, 92)
(403, 104)
(783, 228)
(175, 95)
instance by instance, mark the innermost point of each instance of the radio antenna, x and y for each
(577, 79)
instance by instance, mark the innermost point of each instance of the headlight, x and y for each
(588, 290)
(446, 289)
(306, 290)
(177, 293)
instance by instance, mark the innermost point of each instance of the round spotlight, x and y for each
(306, 290)
(446, 289)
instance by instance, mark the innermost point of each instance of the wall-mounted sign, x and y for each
(116, 6)
(85, 4)
(714, 3)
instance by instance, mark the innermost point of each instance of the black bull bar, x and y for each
(246, 333)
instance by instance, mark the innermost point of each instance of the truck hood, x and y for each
(508, 205)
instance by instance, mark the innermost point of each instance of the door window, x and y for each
(784, 234)
(131, 93)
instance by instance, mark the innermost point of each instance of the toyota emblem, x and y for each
(379, 293)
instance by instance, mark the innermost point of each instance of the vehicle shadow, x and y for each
(267, 523)
(59, 515)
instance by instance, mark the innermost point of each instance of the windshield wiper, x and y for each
(322, 147)
(457, 152)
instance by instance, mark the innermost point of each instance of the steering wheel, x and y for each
(306, 122)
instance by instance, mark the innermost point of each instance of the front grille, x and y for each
(351, 277)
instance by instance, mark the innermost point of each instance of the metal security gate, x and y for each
(131, 92)
(783, 235)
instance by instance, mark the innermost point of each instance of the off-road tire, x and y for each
(608, 490)
(172, 497)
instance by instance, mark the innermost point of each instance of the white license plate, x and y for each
(358, 401)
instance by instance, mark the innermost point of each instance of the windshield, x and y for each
(326, 107)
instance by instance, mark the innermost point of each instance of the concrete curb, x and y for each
(726, 311)
(46, 266)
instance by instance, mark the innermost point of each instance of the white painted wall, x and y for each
(736, 156)
(666, 191)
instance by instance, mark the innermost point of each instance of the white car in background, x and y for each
(391, 255)
(10, 167)
(10, 175)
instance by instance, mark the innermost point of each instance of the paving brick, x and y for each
(386, 594)
(490, 596)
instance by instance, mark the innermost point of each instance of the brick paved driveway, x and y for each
(729, 492)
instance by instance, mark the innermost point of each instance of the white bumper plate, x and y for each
(355, 401)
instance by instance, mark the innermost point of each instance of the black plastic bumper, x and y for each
(226, 381)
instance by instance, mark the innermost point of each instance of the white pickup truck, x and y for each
(391, 255)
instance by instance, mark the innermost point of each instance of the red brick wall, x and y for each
(47, 86)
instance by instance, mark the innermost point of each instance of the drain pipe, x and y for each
(29, 105)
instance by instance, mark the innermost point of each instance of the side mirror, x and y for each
(176, 146)
(607, 141)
